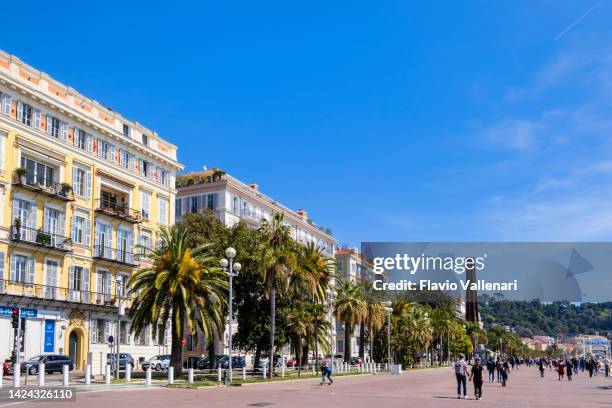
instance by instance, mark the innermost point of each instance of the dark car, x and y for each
(52, 362)
(237, 362)
(124, 358)
(204, 362)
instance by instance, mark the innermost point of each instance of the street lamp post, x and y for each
(232, 271)
(388, 310)
(331, 294)
(118, 282)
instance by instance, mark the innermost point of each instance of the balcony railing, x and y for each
(40, 238)
(52, 188)
(115, 255)
(58, 293)
(119, 210)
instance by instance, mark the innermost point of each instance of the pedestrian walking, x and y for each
(541, 368)
(491, 369)
(460, 368)
(476, 378)
(569, 369)
(561, 369)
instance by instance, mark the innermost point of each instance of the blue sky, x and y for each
(385, 120)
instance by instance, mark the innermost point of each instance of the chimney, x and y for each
(302, 214)
(254, 186)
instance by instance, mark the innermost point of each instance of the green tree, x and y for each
(183, 285)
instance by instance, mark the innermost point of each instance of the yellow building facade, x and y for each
(83, 193)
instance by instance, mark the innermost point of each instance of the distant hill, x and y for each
(558, 319)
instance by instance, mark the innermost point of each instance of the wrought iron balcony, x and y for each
(62, 191)
(115, 255)
(40, 238)
(56, 293)
(118, 210)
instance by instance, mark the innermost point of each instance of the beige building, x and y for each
(233, 201)
(80, 185)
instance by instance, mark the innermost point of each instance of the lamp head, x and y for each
(230, 252)
(223, 262)
(236, 267)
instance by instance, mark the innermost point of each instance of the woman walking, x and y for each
(476, 377)
(326, 371)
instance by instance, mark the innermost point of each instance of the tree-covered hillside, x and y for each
(556, 319)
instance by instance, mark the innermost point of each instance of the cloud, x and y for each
(562, 139)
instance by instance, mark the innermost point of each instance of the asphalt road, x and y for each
(419, 388)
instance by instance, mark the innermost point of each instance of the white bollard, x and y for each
(190, 376)
(378, 367)
(128, 372)
(283, 371)
(87, 374)
(244, 373)
(264, 371)
(107, 374)
(149, 381)
(1, 379)
(313, 370)
(386, 366)
(41, 374)
(218, 374)
(65, 375)
(16, 375)
(170, 375)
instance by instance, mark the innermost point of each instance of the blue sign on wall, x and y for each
(49, 336)
(8, 311)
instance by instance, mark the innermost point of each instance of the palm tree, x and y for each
(441, 323)
(350, 308)
(298, 321)
(182, 286)
(277, 261)
(309, 283)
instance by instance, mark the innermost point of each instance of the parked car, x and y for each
(292, 362)
(237, 362)
(52, 362)
(263, 362)
(204, 362)
(124, 358)
(157, 363)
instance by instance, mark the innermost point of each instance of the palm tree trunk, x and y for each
(176, 359)
(362, 340)
(272, 328)
(347, 341)
(299, 356)
(372, 343)
(316, 344)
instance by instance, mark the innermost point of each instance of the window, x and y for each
(143, 338)
(145, 244)
(24, 113)
(80, 138)
(37, 172)
(103, 149)
(178, 207)
(6, 104)
(126, 130)
(81, 230)
(192, 342)
(145, 201)
(124, 159)
(124, 333)
(144, 168)
(103, 286)
(193, 204)
(122, 285)
(145, 140)
(100, 330)
(235, 205)
(81, 182)
(211, 201)
(160, 338)
(22, 268)
(36, 119)
(162, 208)
(53, 126)
(78, 283)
